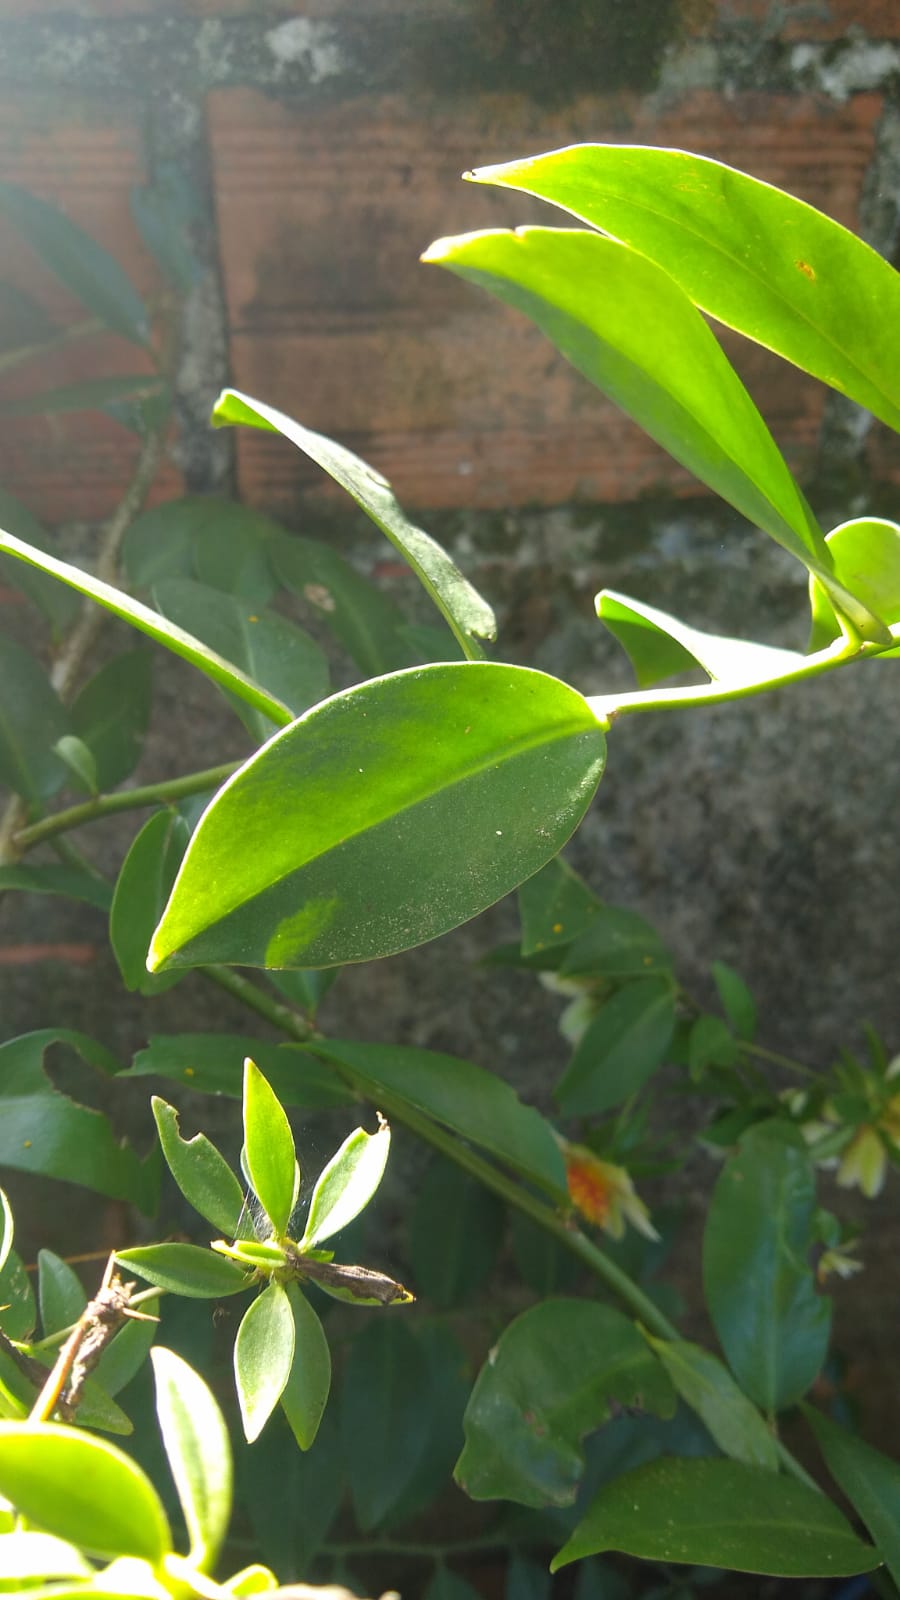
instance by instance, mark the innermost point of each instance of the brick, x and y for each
(799, 19)
(83, 155)
(458, 401)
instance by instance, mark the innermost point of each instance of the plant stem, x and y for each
(789, 1064)
(275, 1011)
(104, 805)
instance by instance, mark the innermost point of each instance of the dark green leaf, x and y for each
(709, 1389)
(384, 1417)
(82, 1489)
(126, 1353)
(92, 394)
(525, 1580)
(201, 1173)
(61, 1293)
(142, 889)
(456, 1231)
(473, 1102)
(362, 619)
(760, 1289)
(198, 1451)
(186, 1269)
(32, 719)
(720, 1514)
(621, 1049)
(269, 1154)
(222, 543)
(77, 883)
(555, 907)
(112, 713)
(18, 1310)
(552, 1378)
(57, 603)
(546, 1267)
(424, 797)
(213, 1063)
(42, 1130)
(737, 1001)
(468, 615)
(305, 1393)
(617, 944)
(166, 212)
(870, 1480)
(710, 1044)
(449, 1385)
(87, 270)
(263, 1356)
(753, 257)
(447, 1585)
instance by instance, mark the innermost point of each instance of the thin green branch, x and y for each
(105, 805)
(280, 1015)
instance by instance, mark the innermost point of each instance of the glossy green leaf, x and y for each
(43, 1130)
(267, 648)
(467, 1098)
(467, 614)
(58, 604)
(150, 622)
(34, 1556)
(142, 889)
(555, 906)
(87, 270)
(125, 1355)
(57, 877)
(61, 1293)
(709, 1389)
(201, 1173)
(18, 1308)
(305, 1394)
(271, 1160)
(620, 1050)
(870, 1480)
(364, 620)
(91, 394)
(220, 542)
(198, 1451)
(866, 555)
(737, 1001)
(617, 944)
(720, 1514)
(79, 761)
(82, 1489)
(112, 714)
(347, 1184)
(263, 1356)
(760, 1289)
(751, 256)
(384, 1417)
(32, 719)
(185, 1269)
(424, 797)
(213, 1063)
(628, 326)
(7, 1228)
(554, 1375)
(660, 645)
(456, 1230)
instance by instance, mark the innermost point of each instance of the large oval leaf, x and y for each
(755, 258)
(81, 1489)
(384, 817)
(629, 327)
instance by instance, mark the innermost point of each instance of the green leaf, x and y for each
(456, 1230)
(620, 1050)
(366, 622)
(660, 645)
(7, 1231)
(544, 1264)
(347, 1184)
(112, 714)
(617, 944)
(61, 1293)
(760, 1289)
(82, 1489)
(555, 906)
(737, 1001)
(424, 797)
(870, 1480)
(866, 555)
(18, 1310)
(263, 1356)
(32, 719)
(305, 1394)
(38, 1555)
(150, 622)
(525, 1580)
(468, 615)
(553, 1377)
(751, 256)
(710, 1044)
(267, 648)
(186, 1269)
(166, 212)
(43, 1130)
(198, 1451)
(201, 1173)
(213, 1063)
(76, 883)
(80, 762)
(142, 889)
(447, 1585)
(87, 270)
(710, 1391)
(91, 394)
(458, 1094)
(220, 542)
(628, 326)
(716, 1513)
(271, 1160)
(384, 1417)
(58, 604)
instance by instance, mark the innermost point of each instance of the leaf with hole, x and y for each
(347, 1184)
(201, 1173)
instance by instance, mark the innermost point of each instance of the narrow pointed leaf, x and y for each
(628, 326)
(92, 394)
(201, 1173)
(660, 645)
(364, 620)
(870, 1480)
(866, 554)
(32, 720)
(126, 1353)
(715, 1513)
(347, 1184)
(79, 760)
(263, 1354)
(620, 1050)
(759, 260)
(186, 1269)
(150, 622)
(709, 1389)
(384, 817)
(82, 1489)
(737, 1001)
(213, 1063)
(112, 713)
(57, 877)
(199, 1453)
(305, 1394)
(271, 1160)
(468, 615)
(142, 889)
(57, 603)
(61, 1293)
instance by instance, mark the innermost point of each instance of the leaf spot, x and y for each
(805, 268)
